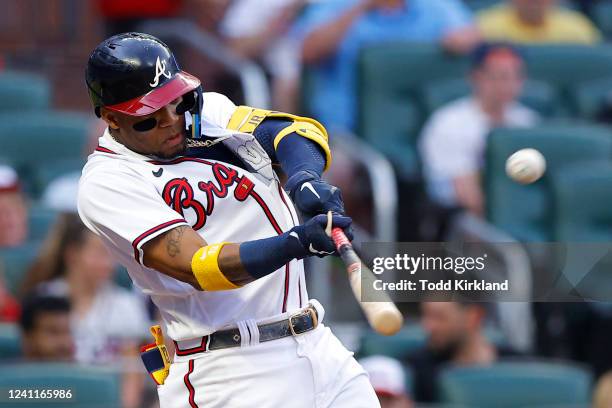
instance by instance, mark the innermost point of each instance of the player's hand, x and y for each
(313, 234)
(314, 197)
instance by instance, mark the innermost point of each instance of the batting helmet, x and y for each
(137, 74)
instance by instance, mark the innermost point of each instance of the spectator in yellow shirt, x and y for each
(536, 21)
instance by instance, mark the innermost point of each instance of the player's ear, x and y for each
(109, 117)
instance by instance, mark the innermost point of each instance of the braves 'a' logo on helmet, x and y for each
(160, 69)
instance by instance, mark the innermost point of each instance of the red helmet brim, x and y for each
(182, 83)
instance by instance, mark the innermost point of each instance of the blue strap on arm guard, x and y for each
(299, 157)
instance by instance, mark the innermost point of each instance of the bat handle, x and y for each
(344, 248)
(339, 238)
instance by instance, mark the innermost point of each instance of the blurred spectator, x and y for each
(602, 395)
(536, 21)
(45, 328)
(454, 336)
(454, 138)
(388, 380)
(335, 31)
(13, 210)
(267, 41)
(108, 322)
(9, 307)
(74, 262)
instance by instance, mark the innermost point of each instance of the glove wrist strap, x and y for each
(299, 178)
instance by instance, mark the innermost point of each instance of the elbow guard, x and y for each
(205, 268)
(246, 119)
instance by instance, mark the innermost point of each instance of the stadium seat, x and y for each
(10, 346)
(23, 92)
(40, 221)
(566, 65)
(391, 111)
(43, 175)
(16, 261)
(478, 5)
(602, 15)
(30, 141)
(515, 384)
(588, 98)
(91, 387)
(583, 194)
(408, 340)
(526, 211)
(390, 114)
(539, 96)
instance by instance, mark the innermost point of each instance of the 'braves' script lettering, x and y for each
(179, 194)
(225, 177)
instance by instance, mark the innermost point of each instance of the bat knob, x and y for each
(387, 321)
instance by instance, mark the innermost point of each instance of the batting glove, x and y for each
(313, 234)
(313, 196)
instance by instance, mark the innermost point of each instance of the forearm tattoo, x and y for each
(173, 241)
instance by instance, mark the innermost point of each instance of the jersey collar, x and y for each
(106, 144)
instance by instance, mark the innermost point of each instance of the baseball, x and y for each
(525, 166)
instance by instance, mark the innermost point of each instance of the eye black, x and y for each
(145, 125)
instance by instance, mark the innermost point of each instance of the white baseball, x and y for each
(525, 166)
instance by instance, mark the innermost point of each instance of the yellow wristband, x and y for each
(205, 268)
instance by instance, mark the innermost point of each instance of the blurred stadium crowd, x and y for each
(442, 91)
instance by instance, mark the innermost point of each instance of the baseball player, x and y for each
(181, 189)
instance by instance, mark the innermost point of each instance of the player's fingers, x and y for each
(328, 228)
(341, 221)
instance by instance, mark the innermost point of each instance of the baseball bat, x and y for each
(383, 317)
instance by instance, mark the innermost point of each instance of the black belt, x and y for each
(301, 322)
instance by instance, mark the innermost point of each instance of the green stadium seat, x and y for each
(539, 96)
(410, 339)
(91, 387)
(588, 98)
(567, 65)
(526, 211)
(43, 175)
(602, 15)
(398, 346)
(24, 92)
(15, 262)
(583, 194)
(478, 5)
(40, 221)
(515, 384)
(390, 113)
(391, 108)
(10, 345)
(31, 141)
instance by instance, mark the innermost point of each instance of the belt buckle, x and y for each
(313, 316)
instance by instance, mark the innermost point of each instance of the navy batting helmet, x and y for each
(137, 74)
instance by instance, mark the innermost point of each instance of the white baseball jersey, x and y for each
(129, 199)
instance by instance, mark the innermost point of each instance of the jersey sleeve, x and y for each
(217, 109)
(125, 210)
